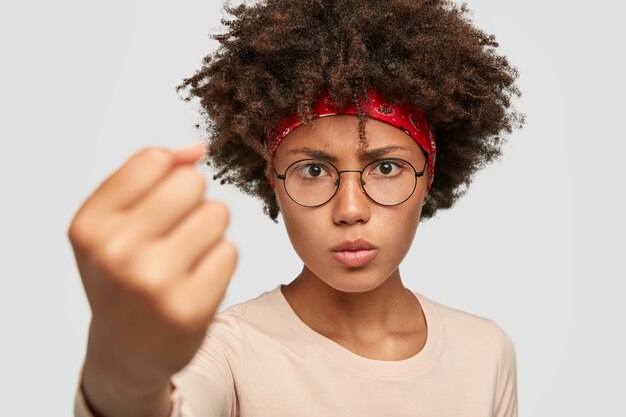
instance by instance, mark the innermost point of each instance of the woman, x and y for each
(355, 120)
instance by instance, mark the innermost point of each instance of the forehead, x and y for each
(338, 136)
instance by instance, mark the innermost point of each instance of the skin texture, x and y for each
(366, 309)
(153, 283)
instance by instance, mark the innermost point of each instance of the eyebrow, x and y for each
(363, 156)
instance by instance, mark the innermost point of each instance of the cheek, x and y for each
(399, 228)
(301, 224)
(309, 236)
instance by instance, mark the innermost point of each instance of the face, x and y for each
(350, 214)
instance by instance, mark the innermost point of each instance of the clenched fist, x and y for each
(155, 266)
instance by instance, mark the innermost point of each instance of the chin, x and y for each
(354, 280)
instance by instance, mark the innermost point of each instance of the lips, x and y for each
(354, 253)
(354, 245)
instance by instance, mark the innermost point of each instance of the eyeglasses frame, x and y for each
(418, 174)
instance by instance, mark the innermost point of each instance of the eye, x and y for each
(311, 170)
(314, 170)
(387, 168)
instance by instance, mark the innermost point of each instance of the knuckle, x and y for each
(230, 251)
(193, 179)
(156, 155)
(114, 252)
(180, 315)
(77, 230)
(144, 286)
(220, 213)
(151, 276)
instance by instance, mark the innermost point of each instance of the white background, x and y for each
(537, 244)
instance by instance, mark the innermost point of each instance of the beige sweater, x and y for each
(259, 360)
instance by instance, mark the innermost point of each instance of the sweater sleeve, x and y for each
(205, 387)
(506, 386)
(207, 383)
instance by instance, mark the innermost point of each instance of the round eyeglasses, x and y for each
(388, 182)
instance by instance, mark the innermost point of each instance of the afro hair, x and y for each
(277, 56)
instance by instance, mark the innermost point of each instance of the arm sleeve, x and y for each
(207, 384)
(506, 386)
(205, 387)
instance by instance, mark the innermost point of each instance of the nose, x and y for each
(351, 203)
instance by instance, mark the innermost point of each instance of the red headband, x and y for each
(403, 116)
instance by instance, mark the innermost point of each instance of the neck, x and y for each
(388, 309)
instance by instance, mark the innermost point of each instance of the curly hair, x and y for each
(277, 56)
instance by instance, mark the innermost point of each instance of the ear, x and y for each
(277, 202)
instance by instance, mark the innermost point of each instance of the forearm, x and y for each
(108, 397)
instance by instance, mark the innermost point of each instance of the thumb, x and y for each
(190, 154)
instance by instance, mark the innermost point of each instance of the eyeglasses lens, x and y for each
(312, 183)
